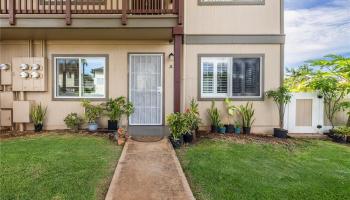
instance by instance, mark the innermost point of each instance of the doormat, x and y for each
(147, 138)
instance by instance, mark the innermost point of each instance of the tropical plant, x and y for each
(92, 112)
(281, 97)
(178, 125)
(192, 115)
(237, 124)
(231, 109)
(247, 114)
(38, 114)
(116, 108)
(330, 77)
(343, 130)
(214, 115)
(73, 121)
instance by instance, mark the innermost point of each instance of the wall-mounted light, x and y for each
(35, 75)
(24, 74)
(24, 66)
(4, 67)
(171, 56)
(35, 67)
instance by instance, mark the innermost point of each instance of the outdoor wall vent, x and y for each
(35, 75)
(36, 67)
(24, 75)
(24, 66)
(4, 67)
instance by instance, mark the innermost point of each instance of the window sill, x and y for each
(79, 99)
(233, 99)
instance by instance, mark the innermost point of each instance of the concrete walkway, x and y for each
(149, 171)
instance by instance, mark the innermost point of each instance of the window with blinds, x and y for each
(234, 77)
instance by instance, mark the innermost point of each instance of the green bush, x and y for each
(73, 121)
(116, 108)
(38, 114)
(342, 130)
(214, 115)
(178, 124)
(92, 112)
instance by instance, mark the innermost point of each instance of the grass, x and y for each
(56, 167)
(227, 170)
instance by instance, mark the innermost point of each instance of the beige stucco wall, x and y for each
(233, 19)
(118, 71)
(266, 112)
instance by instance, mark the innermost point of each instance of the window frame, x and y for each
(55, 97)
(234, 2)
(205, 97)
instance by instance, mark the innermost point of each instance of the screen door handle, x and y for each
(159, 89)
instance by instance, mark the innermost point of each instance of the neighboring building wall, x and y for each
(117, 76)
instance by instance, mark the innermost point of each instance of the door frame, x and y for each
(317, 114)
(162, 107)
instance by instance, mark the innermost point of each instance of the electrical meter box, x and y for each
(21, 111)
(29, 74)
(5, 74)
(6, 99)
(5, 118)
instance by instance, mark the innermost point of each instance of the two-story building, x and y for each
(158, 53)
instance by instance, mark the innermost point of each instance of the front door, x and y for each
(146, 88)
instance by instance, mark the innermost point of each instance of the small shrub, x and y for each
(214, 115)
(38, 114)
(73, 121)
(178, 124)
(92, 112)
(247, 114)
(342, 130)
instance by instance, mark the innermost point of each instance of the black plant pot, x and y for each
(339, 138)
(280, 133)
(188, 138)
(38, 127)
(176, 143)
(214, 129)
(230, 128)
(246, 130)
(113, 125)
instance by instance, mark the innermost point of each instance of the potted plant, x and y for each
(73, 121)
(115, 109)
(237, 128)
(178, 125)
(281, 97)
(91, 114)
(193, 119)
(222, 128)
(230, 128)
(247, 115)
(214, 117)
(38, 114)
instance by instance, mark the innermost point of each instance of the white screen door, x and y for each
(146, 88)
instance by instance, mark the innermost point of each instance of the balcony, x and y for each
(44, 17)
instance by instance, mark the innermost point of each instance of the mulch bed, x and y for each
(14, 134)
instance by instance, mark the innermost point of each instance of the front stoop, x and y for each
(149, 171)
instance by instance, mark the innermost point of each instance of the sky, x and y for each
(315, 28)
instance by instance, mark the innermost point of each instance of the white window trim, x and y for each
(214, 95)
(80, 76)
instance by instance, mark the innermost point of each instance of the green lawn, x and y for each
(307, 170)
(56, 167)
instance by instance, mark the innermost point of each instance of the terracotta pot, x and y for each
(121, 141)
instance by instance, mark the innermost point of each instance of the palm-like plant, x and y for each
(247, 114)
(281, 97)
(38, 114)
(214, 115)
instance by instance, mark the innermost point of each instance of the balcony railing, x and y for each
(68, 7)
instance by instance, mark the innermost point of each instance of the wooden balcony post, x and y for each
(68, 12)
(124, 12)
(12, 12)
(180, 11)
(178, 40)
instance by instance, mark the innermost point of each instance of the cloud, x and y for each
(317, 31)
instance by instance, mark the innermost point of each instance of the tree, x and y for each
(330, 77)
(281, 97)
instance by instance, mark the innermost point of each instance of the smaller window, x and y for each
(80, 77)
(231, 77)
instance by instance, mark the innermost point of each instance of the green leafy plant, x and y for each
(178, 124)
(38, 114)
(343, 130)
(281, 97)
(73, 121)
(192, 115)
(116, 108)
(247, 114)
(92, 112)
(231, 109)
(214, 115)
(237, 124)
